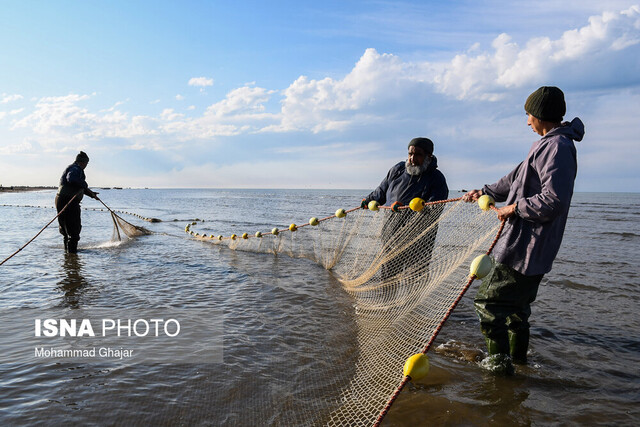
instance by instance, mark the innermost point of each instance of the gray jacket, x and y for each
(541, 187)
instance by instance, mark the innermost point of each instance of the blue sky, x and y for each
(327, 94)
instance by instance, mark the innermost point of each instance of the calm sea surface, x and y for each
(585, 347)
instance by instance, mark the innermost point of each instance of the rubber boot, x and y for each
(72, 246)
(499, 361)
(518, 345)
(497, 347)
(66, 244)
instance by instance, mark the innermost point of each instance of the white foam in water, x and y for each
(107, 244)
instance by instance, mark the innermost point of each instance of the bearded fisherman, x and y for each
(72, 183)
(418, 176)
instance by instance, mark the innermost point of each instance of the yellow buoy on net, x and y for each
(293, 227)
(233, 237)
(220, 237)
(481, 266)
(314, 221)
(417, 366)
(245, 236)
(340, 213)
(258, 234)
(374, 206)
(416, 204)
(275, 231)
(486, 202)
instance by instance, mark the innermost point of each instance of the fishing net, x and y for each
(122, 227)
(404, 270)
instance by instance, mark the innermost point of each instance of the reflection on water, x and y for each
(289, 327)
(73, 283)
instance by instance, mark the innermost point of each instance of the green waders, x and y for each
(503, 306)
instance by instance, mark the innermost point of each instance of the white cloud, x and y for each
(114, 106)
(9, 98)
(60, 122)
(54, 113)
(241, 101)
(329, 104)
(179, 97)
(605, 35)
(380, 88)
(200, 81)
(23, 147)
(581, 57)
(169, 115)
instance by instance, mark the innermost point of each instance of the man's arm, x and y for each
(91, 193)
(499, 191)
(75, 176)
(556, 167)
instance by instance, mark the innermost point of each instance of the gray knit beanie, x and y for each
(547, 104)
(425, 143)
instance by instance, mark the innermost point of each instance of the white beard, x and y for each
(417, 170)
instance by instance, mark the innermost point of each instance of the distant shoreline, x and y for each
(26, 188)
(23, 188)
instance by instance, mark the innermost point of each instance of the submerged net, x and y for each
(405, 270)
(122, 228)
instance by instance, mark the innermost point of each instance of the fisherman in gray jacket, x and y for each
(537, 194)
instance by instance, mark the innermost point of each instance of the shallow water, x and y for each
(288, 324)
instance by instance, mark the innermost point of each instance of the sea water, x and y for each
(585, 339)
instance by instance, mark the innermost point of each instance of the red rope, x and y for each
(393, 398)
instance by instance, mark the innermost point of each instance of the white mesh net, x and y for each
(404, 271)
(122, 229)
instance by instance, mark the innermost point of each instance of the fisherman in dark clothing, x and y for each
(418, 176)
(72, 183)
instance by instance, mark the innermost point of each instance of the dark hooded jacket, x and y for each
(73, 181)
(541, 187)
(399, 186)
